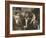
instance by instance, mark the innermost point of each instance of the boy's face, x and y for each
(26, 15)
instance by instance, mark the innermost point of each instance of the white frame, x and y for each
(26, 31)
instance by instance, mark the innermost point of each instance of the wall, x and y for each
(2, 19)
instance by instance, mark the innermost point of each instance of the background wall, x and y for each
(2, 19)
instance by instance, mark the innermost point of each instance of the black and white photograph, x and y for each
(26, 18)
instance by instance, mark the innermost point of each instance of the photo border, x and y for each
(7, 18)
(24, 31)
